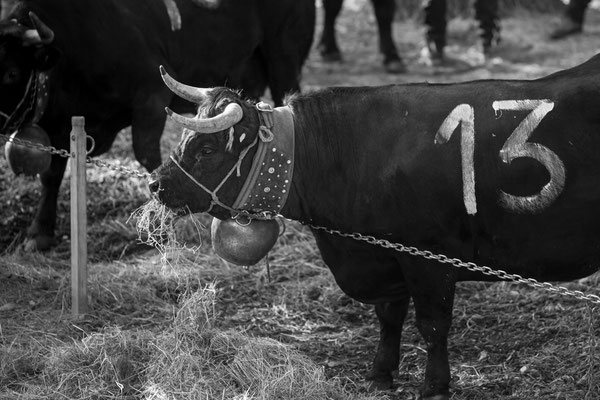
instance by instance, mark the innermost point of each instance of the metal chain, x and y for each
(118, 168)
(356, 236)
(462, 264)
(64, 153)
(35, 146)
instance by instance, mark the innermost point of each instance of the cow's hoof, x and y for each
(330, 55)
(39, 243)
(566, 28)
(377, 380)
(395, 67)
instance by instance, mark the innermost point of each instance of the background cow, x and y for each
(384, 14)
(435, 18)
(502, 173)
(99, 59)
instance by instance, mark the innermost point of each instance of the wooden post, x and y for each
(78, 218)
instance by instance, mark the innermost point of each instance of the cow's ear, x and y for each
(45, 57)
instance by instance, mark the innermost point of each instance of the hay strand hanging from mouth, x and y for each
(159, 226)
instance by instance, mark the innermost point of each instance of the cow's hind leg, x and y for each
(384, 14)
(432, 287)
(391, 318)
(328, 44)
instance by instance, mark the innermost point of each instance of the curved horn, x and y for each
(190, 93)
(41, 33)
(230, 116)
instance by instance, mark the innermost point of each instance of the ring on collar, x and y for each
(265, 115)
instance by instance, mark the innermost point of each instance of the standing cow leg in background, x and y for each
(287, 46)
(41, 232)
(572, 20)
(384, 14)
(328, 44)
(486, 12)
(432, 287)
(435, 19)
(391, 319)
(385, 10)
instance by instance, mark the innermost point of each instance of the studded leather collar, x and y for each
(268, 183)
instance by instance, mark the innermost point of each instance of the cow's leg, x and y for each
(385, 11)
(328, 45)
(148, 122)
(486, 12)
(432, 287)
(391, 318)
(41, 231)
(572, 19)
(283, 67)
(435, 19)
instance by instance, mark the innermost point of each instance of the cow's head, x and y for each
(209, 166)
(26, 52)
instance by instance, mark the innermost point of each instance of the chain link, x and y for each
(65, 154)
(35, 146)
(118, 168)
(592, 298)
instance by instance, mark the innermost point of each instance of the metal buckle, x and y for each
(264, 107)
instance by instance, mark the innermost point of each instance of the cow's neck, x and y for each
(326, 163)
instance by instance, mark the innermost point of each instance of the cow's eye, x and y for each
(207, 151)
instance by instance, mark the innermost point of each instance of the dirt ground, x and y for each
(507, 341)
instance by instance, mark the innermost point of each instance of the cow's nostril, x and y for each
(154, 185)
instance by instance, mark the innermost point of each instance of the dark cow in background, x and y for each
(503, 173)
(436, 20)
(384, 14)
(435, 11)
(99, 59)
(287, 31)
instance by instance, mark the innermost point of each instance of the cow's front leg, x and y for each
(41, 231)
(432, 287)
(391, 319)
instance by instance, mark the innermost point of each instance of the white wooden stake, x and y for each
(79, 304)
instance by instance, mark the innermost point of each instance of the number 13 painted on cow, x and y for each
(516, 146)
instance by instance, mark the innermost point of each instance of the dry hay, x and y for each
(104, 365)
(198, 361)
(194, 359)
(160, 227)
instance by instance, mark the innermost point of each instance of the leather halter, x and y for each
(267, 185)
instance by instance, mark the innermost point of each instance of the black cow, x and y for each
(498, 172)
(435, 18)
(486, 12)
(384, 14)
(98, 59)
(287, 34)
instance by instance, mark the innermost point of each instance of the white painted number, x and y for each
(464, 115)
(516, 146)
